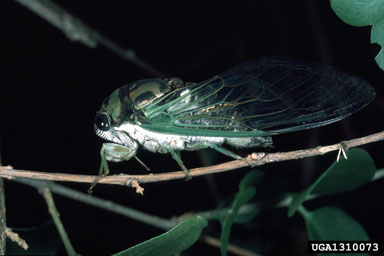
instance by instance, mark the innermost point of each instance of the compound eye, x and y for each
(102, 122)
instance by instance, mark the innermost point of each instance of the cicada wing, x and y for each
(268, 96)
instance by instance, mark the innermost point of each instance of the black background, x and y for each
(51, 89)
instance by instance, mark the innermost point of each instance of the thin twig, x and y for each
(16, 238)
(76, 30)
(46, 192)
(3, 223)
(3, 217)
(256, 158)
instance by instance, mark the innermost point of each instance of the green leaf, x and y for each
(377, 36)
(248, 213)
(359, 12)
(246, 192)
(174, 241)
(332, 224)
(364, 13)
(298, 199)
(242, 197)
(345, 175)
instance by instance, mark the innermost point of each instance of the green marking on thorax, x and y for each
(113, 106)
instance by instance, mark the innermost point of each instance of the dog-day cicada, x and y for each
(242, 107)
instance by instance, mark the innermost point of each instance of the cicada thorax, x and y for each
(143, 93)
(127, 102)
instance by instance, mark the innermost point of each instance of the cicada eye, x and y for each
(102, 122)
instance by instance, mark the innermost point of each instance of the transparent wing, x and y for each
(268, 96)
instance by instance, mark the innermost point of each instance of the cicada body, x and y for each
(242, 107)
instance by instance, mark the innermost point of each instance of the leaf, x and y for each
(377, 36)
(242, 197)
(250, 180)
(248, 213)
(246, 192)
(364, 13)
(347, 174)
(359, 12)
(298, 199)
(332, 224)
(342, 176)
(173, 241)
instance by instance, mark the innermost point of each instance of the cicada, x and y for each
(242, 107)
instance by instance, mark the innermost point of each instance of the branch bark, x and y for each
(257, 159)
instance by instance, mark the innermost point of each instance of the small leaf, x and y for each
(332, 224)
(298, 199)
(358, 12)
(247, 216)
(345, 175)
(242, 197)
(174, 241)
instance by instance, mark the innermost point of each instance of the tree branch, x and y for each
(76, 30)
(46, 193)
(128, 180)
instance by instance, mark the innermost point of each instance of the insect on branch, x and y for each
(257, 159)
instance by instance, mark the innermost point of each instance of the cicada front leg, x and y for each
(114, 153)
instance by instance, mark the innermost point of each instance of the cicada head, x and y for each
(115, 110)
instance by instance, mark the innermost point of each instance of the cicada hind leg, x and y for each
(244, 142)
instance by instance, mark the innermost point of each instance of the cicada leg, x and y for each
(115, 153)
(227, 152)
(103, 171)
(176, 156)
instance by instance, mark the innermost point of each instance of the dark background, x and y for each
(51, 89)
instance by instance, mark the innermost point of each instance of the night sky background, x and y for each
(51, 89)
